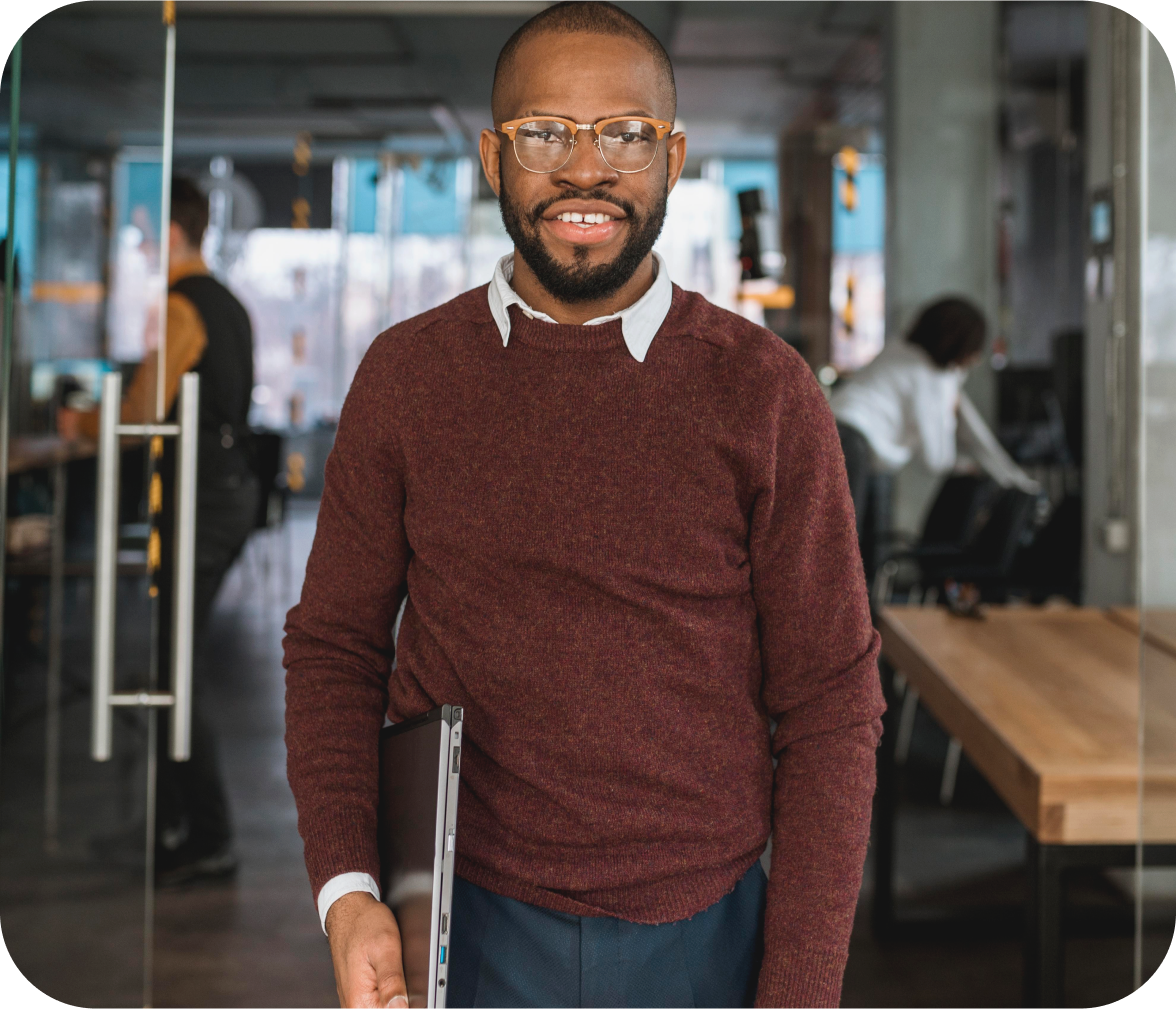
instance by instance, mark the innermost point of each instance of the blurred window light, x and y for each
(365, 178)
(696, 241)
(857, 289)
(762, 174)
(429, 203)
(26, 217)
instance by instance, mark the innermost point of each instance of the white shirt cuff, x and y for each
(345, 882)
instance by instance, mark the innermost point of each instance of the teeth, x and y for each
(571, 217)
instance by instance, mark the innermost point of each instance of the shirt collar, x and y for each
(639, 322)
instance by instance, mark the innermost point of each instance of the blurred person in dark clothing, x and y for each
(208, 332)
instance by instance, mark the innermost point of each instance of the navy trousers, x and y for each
(507, 953)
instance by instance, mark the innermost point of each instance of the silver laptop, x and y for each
(420, 761)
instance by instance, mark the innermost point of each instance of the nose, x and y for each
(585, 169)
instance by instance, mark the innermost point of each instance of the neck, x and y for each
(182, 263)
(182, 256)
(528, 287)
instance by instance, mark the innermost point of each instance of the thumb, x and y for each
(390, 984)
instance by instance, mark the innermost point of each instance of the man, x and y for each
(621, 519)
(208, 331)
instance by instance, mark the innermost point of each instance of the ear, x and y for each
(490, 151)
(676, 154)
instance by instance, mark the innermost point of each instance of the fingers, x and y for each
(365, 948)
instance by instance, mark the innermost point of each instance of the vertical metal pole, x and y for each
(1142, 73)
(1115, 363)
(105, 565)
(6, 344)
(149, 871)
(169, 103)
(184, 594)
(53, 680)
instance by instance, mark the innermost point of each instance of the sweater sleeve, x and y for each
(819, 654)
(338, 645)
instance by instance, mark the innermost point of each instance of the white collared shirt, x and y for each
(639, 322)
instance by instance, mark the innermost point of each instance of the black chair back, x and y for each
(1008, 526)
(959, 512)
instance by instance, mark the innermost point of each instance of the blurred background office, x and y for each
(849, 163)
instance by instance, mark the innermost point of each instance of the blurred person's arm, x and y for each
(819, 653)
(186, 343)
(978, 441)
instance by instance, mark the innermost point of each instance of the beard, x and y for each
(582, 281)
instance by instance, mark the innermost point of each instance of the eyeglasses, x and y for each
(628, 144)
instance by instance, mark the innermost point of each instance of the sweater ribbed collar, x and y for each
(639, 322)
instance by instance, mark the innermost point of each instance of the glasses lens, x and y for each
(542, 145)
(628, 146)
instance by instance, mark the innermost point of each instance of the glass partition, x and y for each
(1156, 880)
(89, 284)
(846, 167)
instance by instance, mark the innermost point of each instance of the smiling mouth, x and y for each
(584, 220)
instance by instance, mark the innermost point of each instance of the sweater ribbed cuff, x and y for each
(812, 979)
(342, 846)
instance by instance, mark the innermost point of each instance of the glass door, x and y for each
(84, 683)
(1156, 868)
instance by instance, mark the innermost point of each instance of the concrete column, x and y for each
(941, 175)
(1115, 174)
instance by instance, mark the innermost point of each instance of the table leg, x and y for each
(53, 680)
(884, 812)
(1043, 971)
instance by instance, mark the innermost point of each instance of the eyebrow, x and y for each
(560, 115)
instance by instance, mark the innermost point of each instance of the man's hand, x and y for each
(365, 948)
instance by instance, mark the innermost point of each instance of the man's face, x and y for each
(584, 78)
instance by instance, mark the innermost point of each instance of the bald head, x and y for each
(581, 19)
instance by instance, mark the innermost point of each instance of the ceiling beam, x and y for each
(333, 8)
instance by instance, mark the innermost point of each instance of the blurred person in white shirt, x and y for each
(909, 401)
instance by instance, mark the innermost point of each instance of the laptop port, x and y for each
(444, 924)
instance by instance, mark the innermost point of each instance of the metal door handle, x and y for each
(105, 565)
(184, 593)
(104, 697)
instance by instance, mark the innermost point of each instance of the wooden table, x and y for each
(1045, 702)
(1159, 625)
(40, 451)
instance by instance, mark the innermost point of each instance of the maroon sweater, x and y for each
(622, 571)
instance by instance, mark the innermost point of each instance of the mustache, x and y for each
(536, 213)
